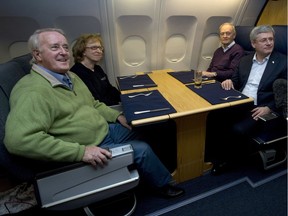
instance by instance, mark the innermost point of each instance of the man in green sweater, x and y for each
(54, 117)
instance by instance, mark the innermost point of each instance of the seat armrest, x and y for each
(83, 184)
(118, 107)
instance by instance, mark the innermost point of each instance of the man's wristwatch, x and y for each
(214, 74)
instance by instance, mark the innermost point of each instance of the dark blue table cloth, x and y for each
(186, 77)
(214, 92)
(135, 82)
(141, 103)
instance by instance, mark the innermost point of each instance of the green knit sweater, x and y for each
(48, 121)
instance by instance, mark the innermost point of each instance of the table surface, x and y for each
(190, 118)
(184, 100)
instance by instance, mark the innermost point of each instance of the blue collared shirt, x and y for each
(63, 78)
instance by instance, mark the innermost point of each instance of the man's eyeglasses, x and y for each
(227, 33)
(96, 47)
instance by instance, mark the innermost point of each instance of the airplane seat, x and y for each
(271, 142)
(280, 38)
(64, 186)
(24, 61)
(243, 38)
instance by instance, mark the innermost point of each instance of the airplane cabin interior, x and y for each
(139, 36)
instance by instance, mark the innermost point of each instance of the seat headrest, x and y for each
(24, 61)
(280, 38)
(243, 37)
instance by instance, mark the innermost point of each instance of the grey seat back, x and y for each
(10, 73)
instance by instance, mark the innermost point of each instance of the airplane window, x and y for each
(134, 51)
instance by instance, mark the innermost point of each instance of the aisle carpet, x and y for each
(227, 194)
(245, 190)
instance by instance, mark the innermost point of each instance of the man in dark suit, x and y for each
(254, 77)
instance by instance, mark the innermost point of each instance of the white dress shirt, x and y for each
(256, 73)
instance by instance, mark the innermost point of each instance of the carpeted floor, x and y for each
(268, 199)
(244, 190)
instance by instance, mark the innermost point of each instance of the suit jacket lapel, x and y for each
(247, 70)
(271, 64)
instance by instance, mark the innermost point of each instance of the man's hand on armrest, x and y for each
(96, 155)
(260, 111)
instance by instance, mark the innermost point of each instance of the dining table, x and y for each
(160, 95)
